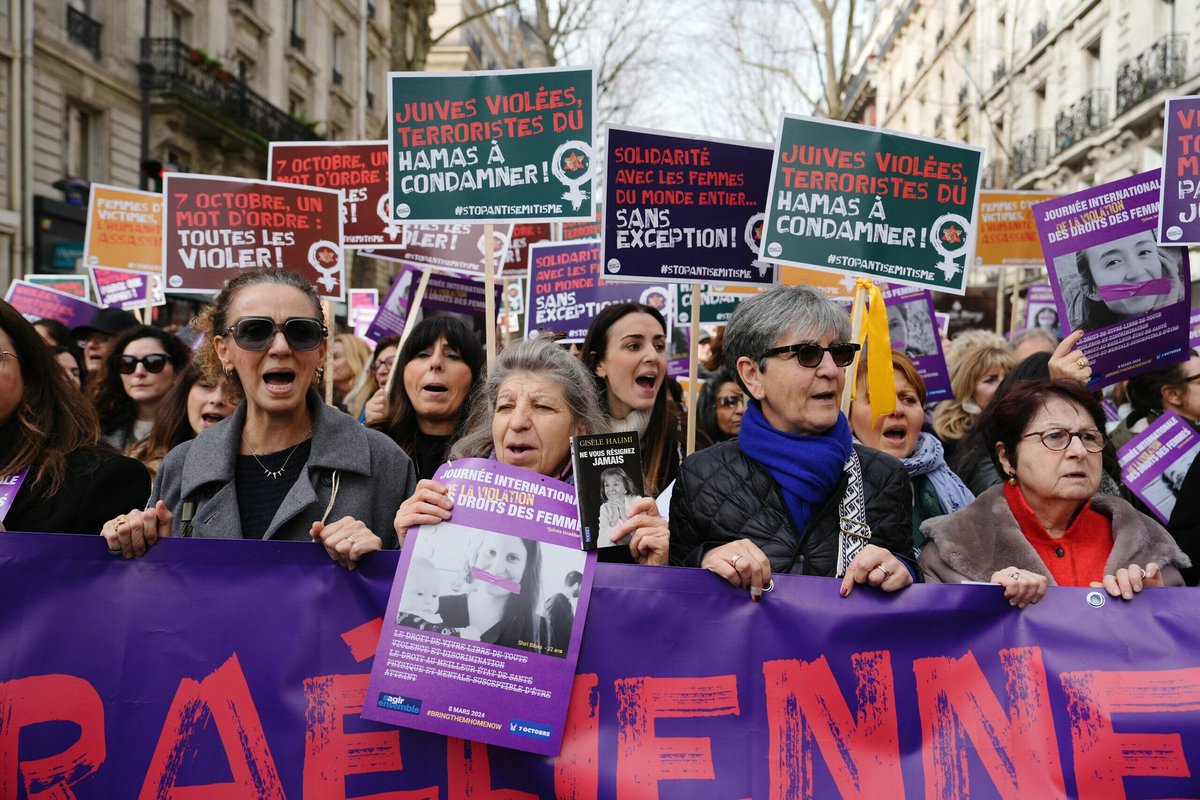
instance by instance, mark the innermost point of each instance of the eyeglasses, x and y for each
(155, 362)
(257, 333)
(385, 364)
(732, 401)
(1058, 439)
(4, 354)
(809, 354)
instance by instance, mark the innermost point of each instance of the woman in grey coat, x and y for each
(284, 466)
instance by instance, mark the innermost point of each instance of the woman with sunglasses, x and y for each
(374, 377)
(58, 477)
(1048, 524)
(285, 465)
(719, 409)
(144, 364)
(793, 493)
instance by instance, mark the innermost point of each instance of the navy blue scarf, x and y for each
(807, 468)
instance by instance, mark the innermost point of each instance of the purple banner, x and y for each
(238, 669)
(480, 638)
(1155, 462)
(1112, 280)
(1041, 311)
(914, 332)
(1179, 220)
(684, 208)
(125, 289)
(39, 302)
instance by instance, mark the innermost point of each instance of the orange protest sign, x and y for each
(124, 229)
(1007, 234)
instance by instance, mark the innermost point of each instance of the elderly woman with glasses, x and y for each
(793, 493)
(284, 465)
(1047, 525)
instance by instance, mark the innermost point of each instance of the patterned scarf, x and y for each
(929, 458)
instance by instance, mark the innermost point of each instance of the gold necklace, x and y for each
(273, 474)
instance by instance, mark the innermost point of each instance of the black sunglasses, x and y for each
(155, 362)
(257, 333)
(809, 354)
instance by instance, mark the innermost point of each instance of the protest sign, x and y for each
(455, 247)
(589, 229)
(216, 226)
(566, 291)
(492, 146)
(41, 302)
(1155, 462)
(364, 305)
(1179, 193)
(1007, 233)
(1112, 279)
(913, 331)
(389, 319)
(127, 290)
(885, 205)
(1041, 310)
(124, 229)
(715, 307)
(74, 285)
(465, 649)
(358, 169)
(943, 322)
(1194, 327)
(444, 293)
(523, 235)
(808, 695)
(684, 208)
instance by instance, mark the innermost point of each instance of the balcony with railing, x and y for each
(1039, 32)
(1031, 152)
(83, 30)
(183, 72)
(1081, 119)
(1161, 65)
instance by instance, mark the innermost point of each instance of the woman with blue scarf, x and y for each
(793, 493)
(936, 489)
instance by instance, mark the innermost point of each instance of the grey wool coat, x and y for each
(374, 477)
(976, 541)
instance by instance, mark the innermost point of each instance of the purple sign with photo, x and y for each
(1179, 221)
(481, 634)
(913, 327)
(685, 209)
(566, 291)
(444, 293)
(1155, 462)
(39, 302)
(126, 289)
(1041, 311)
(1111, 279)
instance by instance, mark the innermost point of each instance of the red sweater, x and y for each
(1077, 558)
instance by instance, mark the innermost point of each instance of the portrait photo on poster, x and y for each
(493, 588)
(911, 330)
(618, 493)
(1114, 281)
(1043, 317)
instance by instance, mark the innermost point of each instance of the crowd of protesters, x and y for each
(1011, 481)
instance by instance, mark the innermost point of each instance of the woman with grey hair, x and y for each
(535, 398)
(792, 493)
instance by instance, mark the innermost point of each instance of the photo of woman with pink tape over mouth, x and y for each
(1124, 278)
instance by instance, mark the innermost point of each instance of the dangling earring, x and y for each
(320, 373)
(1012, 479)
(229, 373)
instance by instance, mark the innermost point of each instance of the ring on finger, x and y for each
(734, 559)
(1014, 575)
(1081, 362)
(114, 551)
(886, 572)
(1143, 575)
(350, 539)
(120, 521)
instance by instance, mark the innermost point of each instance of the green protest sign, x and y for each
(714, 308)
(897, 208)
(505, 146)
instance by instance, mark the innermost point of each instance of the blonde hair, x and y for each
(358, 355)
(953, 417)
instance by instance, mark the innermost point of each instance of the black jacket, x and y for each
(723, 495)
(99, 485)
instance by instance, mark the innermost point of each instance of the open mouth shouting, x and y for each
(279, 381)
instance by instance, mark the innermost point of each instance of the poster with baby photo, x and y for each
(912, 326)
(483, 625)
(608, 478)
(1155, 462)
(1113, 280)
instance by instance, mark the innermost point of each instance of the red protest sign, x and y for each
(217, 226)
(359, 169)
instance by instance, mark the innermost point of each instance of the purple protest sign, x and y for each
(685, 208)
(1041, 311)
(1155, 462)
(913, 330)
(566, 291)
(39, 302)
(389, 319)
(452, 247)
(465, 649)
(1179, 219)
(444, 293)
(1194, 327)
(125, 289)
(1112, 280)
(364, 305)
(9, 486)
(220, 668)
